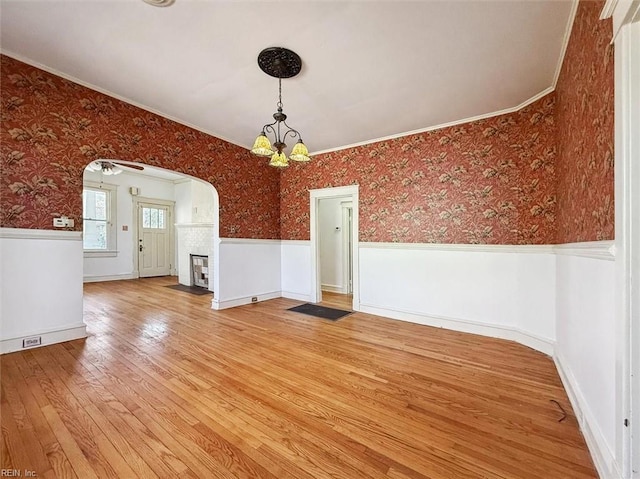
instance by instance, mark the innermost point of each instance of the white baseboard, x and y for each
(111, 277)
(232, 303)
(296, 296)
(332, 288)
(538, 343)
(603, 457)
(67, 333)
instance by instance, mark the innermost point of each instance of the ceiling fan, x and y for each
(111, 167)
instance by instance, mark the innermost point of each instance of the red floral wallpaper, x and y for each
(541, 175)
(52, 128)
(488, 182)
(585, 132)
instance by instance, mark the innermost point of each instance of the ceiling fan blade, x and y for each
(133, 167)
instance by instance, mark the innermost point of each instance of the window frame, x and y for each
(112, 235)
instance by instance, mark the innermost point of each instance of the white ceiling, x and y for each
(371, 69)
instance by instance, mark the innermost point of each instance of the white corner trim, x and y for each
(565, 41)
(53, 71)
(23, 233)
(249, 241)
(297, 296)
(589, 249)
(241, 301)
(475, 248)
(58, 335)
(533, 341)
(193, 225)
(601, 454)
(506, 111)
(111, 277)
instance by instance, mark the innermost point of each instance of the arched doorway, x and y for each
(145, 208)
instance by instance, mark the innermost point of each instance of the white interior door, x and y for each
(154, 246)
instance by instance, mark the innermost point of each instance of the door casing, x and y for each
(347, 193)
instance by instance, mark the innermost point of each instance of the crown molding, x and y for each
(608, 9)
(53, 71)
(506, 111)
(104, 91)
(565, 41)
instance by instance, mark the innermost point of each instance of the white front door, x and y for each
(154, 247)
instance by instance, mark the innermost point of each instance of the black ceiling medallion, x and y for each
(279, 62)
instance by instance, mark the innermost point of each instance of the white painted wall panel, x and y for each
(247, 268)
(41, 284)
(503, 289)
(585, 344)
(504, 293)
(534, 302)
(296, 270)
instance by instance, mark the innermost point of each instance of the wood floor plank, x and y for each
(29, 422)
(164, 386)
(69, 445)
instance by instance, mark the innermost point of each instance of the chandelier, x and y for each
(106, 167)
(280, 63)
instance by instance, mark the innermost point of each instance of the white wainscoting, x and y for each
(585, 352)
(41, 284)
(559, 300)
(296, 269)
(501, 291)
(248, 268)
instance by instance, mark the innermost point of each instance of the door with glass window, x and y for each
(154, 246)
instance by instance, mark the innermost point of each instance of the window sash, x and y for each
(98, 233)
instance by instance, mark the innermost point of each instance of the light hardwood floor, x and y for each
(165, 387)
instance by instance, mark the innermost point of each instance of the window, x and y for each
(153, 218)
(98, 219)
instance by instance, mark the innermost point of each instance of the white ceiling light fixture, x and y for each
(159, 3)
(105, 167)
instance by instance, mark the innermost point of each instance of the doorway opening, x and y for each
(156, 220)
(334, 242)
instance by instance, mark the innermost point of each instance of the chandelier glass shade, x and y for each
(280, 63)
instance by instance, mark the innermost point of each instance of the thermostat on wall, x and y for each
(63, 222)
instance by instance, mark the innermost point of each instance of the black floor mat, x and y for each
(320, 311)
(189, 289)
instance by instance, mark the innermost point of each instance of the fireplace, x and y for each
(200, 270)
